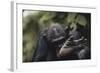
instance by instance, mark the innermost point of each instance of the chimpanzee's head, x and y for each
(56, 34)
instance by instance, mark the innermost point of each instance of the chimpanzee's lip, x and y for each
(58, 39)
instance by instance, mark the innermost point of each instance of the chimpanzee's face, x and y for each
(56, 36)
(55, 32)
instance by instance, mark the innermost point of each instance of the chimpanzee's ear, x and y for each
(44, 33)
(44, 36)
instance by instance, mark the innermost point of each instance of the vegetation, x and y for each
(36, 21)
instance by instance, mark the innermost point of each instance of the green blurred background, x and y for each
(36, 21)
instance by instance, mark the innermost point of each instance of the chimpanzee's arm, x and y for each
(41, 52)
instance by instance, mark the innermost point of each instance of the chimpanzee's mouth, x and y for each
(58, 41)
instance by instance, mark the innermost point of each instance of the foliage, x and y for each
(36, 21)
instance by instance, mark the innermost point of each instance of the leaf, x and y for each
(71, 17)
(81, 20)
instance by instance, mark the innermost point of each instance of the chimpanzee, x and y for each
(57, 43)
(77, 46)
(49, 43)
